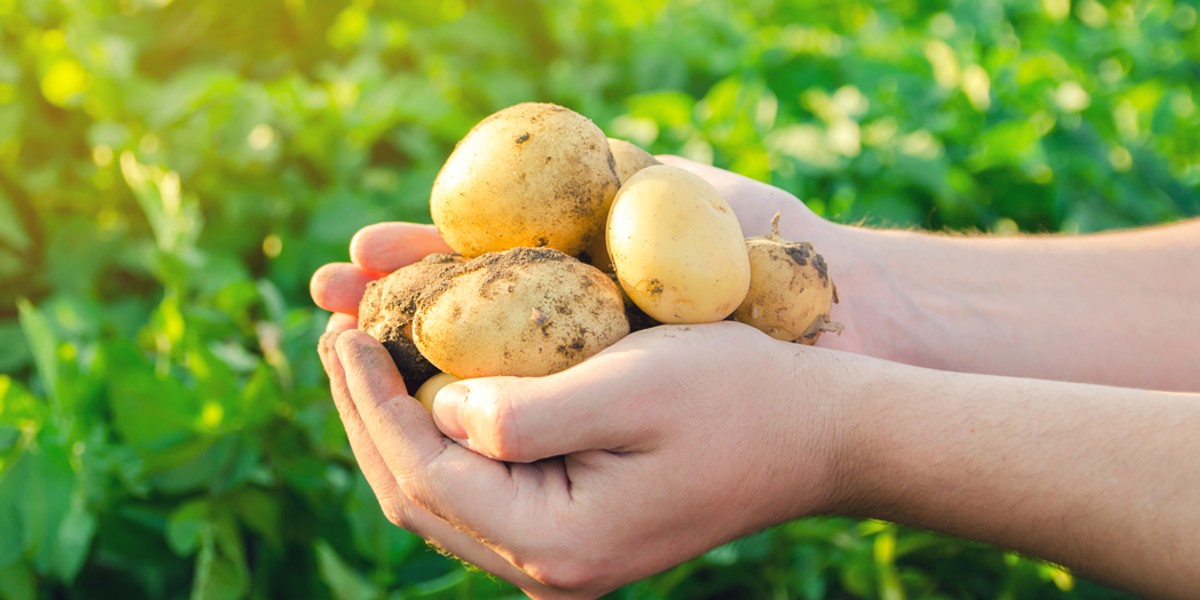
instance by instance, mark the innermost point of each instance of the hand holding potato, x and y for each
(637, 459)
(858, 435)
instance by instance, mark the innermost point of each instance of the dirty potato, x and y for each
(386, 311)
(534, 174)
(791, 293)
(525, 312)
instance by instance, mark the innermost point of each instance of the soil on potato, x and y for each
(638, 319)
(509, 266)
(802, 253)
(387, 309)
(499, 266)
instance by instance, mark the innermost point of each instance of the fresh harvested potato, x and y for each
(428, 390)
(525, 312)
(386, 311)
(677, 247)
(535, 175)
(791, 293)
(629, 159)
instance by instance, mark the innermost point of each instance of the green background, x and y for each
(172, 173)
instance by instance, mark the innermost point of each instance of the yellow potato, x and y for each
(428, 390)
(677, 247)
(535, 175)
(629, 159)
(525, 312)
(791, 293)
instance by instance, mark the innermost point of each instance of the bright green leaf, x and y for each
(43, 343)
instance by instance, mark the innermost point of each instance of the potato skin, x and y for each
(533, 174)
(677, 247)
(386, 311)
(629, 159)
(791, 293)
(524, 312)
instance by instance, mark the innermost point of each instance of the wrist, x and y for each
(877, 414)
(833, 401)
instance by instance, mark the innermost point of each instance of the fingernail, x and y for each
(447, 410)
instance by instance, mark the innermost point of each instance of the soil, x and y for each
(387, 309)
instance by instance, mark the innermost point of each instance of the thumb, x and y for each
(524, 419)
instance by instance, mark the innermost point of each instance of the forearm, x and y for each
(1117, 308)
(1103, 480)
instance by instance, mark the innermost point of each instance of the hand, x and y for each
(672, 441)
(375, 251)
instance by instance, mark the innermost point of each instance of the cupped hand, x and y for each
(670, 442)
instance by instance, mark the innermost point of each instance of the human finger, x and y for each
(602, 403)
(374, 469)
(339, 322)
(338, 287)
(395, 506)
(385, 247)
(440, 476)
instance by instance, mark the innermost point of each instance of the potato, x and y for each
(790, 293)
(677, 247)
(525, 312)
(536, 175)
(386, 311)
(629, 159)
(428, 390)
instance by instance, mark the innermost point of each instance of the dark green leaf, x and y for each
(343, 581)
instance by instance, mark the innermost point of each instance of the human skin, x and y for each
(650, 453)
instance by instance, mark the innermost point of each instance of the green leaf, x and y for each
(43, 344)
(186, 525)
(343, 581)
(12, 543)
(672, 109)
(74, 539)
(19, 408)
(17, 582)
(43, 513)
(147, 408)
(373, 536)
(221, 572)
(261, 513)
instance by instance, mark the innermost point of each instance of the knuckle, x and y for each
(502, 428)
(397, 514)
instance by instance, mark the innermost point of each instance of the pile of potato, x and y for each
(566, 240)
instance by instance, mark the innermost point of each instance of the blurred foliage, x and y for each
(171, 173)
